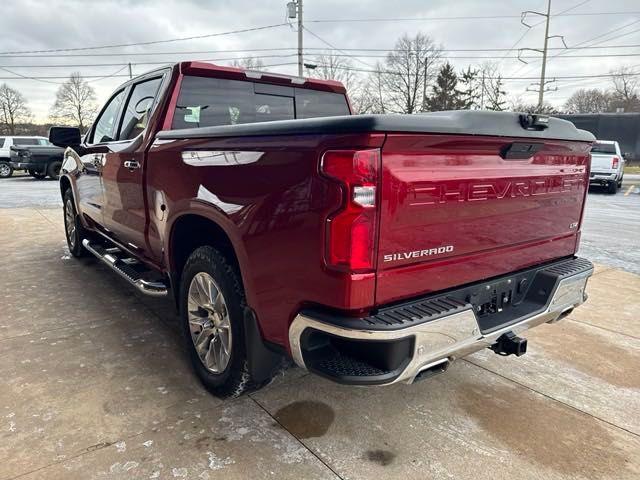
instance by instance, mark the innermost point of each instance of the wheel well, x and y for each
(65, 185)
(192, 231)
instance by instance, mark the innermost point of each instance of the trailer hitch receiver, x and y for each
(510, 344)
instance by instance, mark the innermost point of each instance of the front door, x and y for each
(89, 182)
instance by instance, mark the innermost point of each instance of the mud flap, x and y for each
(263, 362)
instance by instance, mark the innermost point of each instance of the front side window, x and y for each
(25, 141)
(105, 125)
(1, 142)
(139, 108)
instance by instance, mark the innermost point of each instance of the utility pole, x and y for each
(544, 56)
(543, 81)
(294, 10)
(300, 28)
(130, 75)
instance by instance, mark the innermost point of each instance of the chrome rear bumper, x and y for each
(448, 338)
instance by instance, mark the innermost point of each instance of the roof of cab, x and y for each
(223, 71)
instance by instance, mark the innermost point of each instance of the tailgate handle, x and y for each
(520, 150)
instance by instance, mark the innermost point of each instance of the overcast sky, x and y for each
(29, 25)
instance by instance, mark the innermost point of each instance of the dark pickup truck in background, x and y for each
(40, 158)
(370, 249)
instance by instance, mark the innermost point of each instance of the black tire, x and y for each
(53, 170)
(612, 187)
(37, 175)
(73, 235)
(235, 378)
(6, 170)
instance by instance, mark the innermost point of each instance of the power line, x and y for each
(153, 42)
(478, 17)
(567, 77)
(288, 55)
(199, 52)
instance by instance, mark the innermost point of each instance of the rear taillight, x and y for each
(351, 231)
(615, 161)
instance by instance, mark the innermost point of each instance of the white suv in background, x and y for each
(6, 142)
(607, 165)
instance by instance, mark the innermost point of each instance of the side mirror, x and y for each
(626, 155)
(65, 136)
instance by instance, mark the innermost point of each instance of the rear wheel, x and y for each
(72, 227)
(6, 170)
(612, 187)
(212, 303)
(53, 170)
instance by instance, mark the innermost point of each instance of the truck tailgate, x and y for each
(601, 162)
(454, 211)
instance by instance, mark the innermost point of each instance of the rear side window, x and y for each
(205, 102)
(608, 148)
(25, 141)
(139, 108)
(1, 142)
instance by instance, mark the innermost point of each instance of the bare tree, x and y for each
(588, 101)
(332, 67)
(371, 96)
(409, 70)
(626, 90)
(75, 102)
(13, 109)
(519, 105)
(249, 63)
(492, 93)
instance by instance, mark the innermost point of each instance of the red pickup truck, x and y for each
(370, 249)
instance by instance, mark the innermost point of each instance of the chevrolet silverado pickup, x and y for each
(370, 249)
(607, 165)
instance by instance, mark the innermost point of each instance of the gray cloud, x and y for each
(35, 24)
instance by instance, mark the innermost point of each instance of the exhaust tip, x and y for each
(432, 369)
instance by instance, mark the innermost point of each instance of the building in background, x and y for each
(621, 127)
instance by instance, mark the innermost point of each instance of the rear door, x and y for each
(455, 211)
(123, 167)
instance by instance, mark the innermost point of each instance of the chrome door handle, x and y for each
(131, 164)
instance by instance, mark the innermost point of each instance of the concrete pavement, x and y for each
(96, 385)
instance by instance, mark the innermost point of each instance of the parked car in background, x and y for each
(607, 165)
(36, 156)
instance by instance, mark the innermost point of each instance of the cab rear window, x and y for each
(608, 148)
(206, 102)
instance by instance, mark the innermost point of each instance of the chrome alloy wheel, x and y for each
(5, 170)
(70, 223)
(209, 323)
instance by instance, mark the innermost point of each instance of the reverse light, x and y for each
(351, 231)
(615, 161)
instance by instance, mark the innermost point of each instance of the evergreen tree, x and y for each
(445, 96)
(470, 89)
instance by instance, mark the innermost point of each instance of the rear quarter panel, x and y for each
(267, 194)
